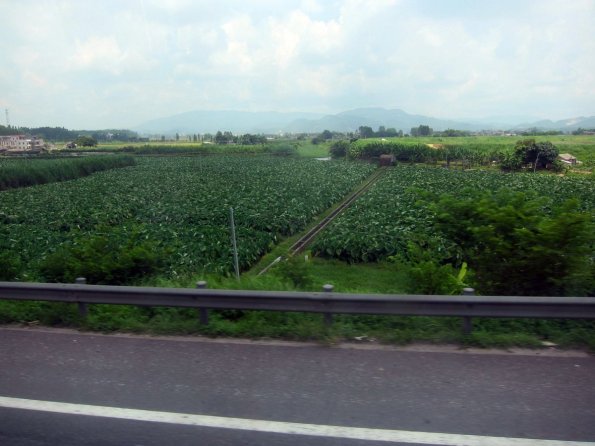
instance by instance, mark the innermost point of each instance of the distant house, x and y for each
(21, 143)
(567, 158)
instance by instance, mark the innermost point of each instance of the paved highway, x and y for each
(66, 388)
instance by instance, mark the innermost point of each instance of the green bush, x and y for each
(515, 247)
(339, 149)
(10, 265)
(103, 259)
(295, 270)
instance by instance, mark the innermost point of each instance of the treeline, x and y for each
(63, 134)
(16, 173)
(582, 131)
(526, 154)
(468, 155)
(246, 139)
(186, 149)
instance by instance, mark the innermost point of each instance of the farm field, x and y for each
(175, 206)
(19, 172)
(393, 214)
(178, 207)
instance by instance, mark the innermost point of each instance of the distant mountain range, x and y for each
(238, 122)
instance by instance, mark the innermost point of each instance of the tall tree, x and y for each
(366, 132)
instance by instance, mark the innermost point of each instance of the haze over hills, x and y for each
(203, 121)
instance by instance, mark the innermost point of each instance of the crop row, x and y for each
(385, 220)
(15, 172)
(179, 204)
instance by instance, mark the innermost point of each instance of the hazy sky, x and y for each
(116, 63)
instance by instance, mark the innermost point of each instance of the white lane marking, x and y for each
(317, 430)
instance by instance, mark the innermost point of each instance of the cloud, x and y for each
(98, 53)
(116, 64)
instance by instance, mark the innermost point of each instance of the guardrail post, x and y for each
(83, 309)
(328, 317)
(203, 313)
(467, 321)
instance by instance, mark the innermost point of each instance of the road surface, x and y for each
(60, 387)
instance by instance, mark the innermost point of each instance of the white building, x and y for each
(21, 143)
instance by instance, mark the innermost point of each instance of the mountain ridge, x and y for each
(270, 122)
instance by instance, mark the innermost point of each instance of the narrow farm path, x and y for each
(311, 233)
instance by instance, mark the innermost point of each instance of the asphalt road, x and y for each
(303, 388)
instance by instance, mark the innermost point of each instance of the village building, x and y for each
(21, 143)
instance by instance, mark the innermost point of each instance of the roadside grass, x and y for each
(382, 278)
(399, 330)
(356, 278)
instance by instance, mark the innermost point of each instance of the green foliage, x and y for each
(182, 203)
(338, 149)
(422, 130)
(452, 133)
(296, 271)
(415, 152)
(397, 211)
(249, 139)
(528, 151)
(365, 131)
(515, 248)
(10, 265)
(16, 173)
(427, 269)
(224, 138)
(326, 135)
(365, 149)
(282, 149)
(109, 258)
(86, 141)
(62, 134)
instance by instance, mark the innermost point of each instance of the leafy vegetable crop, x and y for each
(180, 204)
(393, 213)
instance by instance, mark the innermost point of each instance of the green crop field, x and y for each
(176, 206)
(512, 218)
(164, 221)
(393, 213)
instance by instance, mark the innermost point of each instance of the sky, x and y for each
(86, 64)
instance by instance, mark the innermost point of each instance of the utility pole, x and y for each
(7, 119)
(234, 244)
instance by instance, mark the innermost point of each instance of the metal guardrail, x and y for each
(326, 302)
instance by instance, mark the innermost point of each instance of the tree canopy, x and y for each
(515, 247)
(422, 130)
(85, 141)
(529, 152)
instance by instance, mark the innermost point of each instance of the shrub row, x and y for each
(15, 173)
